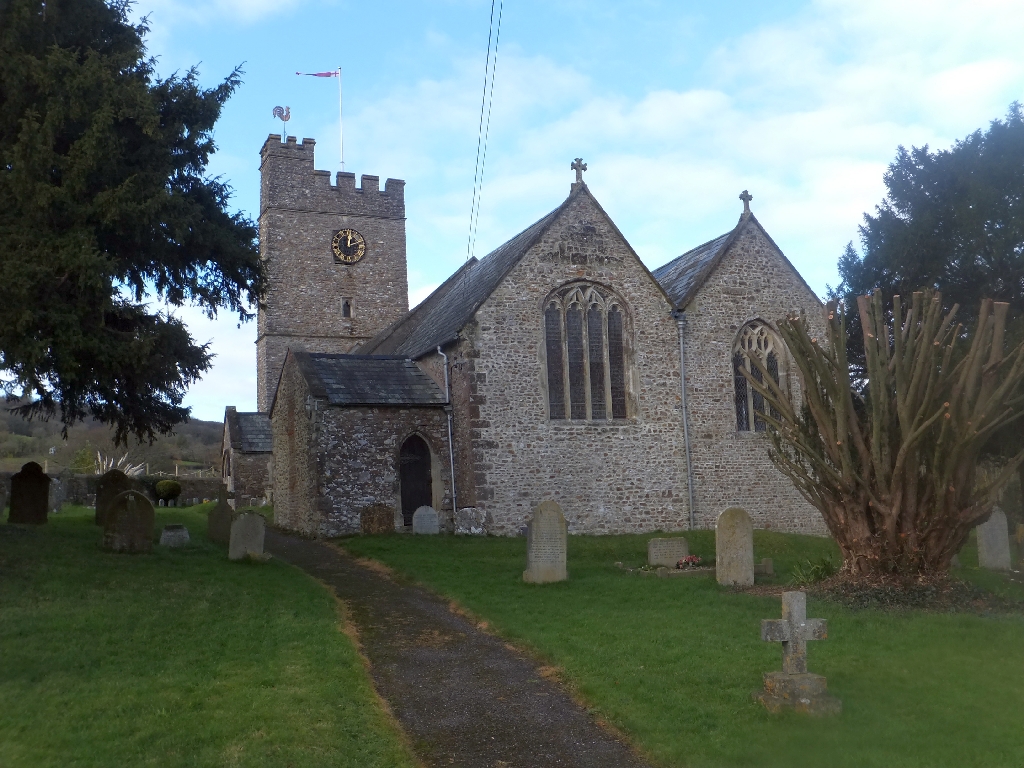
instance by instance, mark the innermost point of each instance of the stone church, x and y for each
(555, 367)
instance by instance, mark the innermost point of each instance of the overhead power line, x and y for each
(484, 128)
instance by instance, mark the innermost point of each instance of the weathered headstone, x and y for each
(667, 552)
(58, 493)
(247, 534)
(734, 548)
(174, 536)
(377, 518)
(424, 520)
(765, 568)
(794, 687)
(218, 520)
(129, 524)
(30, 492)
(994, 542)
(109, 485)
(546, 539)
(399, 524)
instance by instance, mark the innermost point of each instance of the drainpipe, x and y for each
(451, 449)
(681, 323)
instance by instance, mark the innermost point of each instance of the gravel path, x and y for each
(463, 697)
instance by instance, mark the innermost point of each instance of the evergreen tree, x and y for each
(105, 206)
(952, 221)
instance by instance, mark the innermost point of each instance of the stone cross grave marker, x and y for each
(247, 534)
(30, 493)
(424, 520)
(129, 524)
(109, 485)
(734, 548)
(794, 687)
(546, 540)
(218, 519)
(667, 552)
(994, 542)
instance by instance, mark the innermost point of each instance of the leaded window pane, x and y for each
(616, 364)
(759, 424)
(556, 381)
(595, 342)
(574, 344)
(740, 383)
(772, 364)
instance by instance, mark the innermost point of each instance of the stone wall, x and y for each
(248, 475)
(731, 468)
(300, 210)
(358, 449)
(80, 490)
(295, 470)
(610, 476)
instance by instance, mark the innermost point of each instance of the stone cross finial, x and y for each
(746, 197)
(579, 166)
(793, 630)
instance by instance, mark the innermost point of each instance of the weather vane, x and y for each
(284, 114)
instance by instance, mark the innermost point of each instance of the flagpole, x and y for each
(341, 129)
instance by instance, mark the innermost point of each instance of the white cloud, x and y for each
(805, 113)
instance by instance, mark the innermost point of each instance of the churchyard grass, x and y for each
(673, 662)
(178, 658)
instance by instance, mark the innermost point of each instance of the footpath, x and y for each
(464, 698)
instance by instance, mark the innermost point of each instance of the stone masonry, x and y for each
(609, 476)
(331, 462)
(300, 210)
(731, 468)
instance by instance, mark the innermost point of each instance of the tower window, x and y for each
(586, 355)
(346, 307)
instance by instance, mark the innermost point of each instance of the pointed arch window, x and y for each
(755, 339)
(584, 333)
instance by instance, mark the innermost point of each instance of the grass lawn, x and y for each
(672, 662)
(179, 658)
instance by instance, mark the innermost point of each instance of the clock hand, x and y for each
(349, 236)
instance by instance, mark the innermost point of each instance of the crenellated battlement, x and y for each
(290, 180)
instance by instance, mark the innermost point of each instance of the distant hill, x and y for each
(194, 446)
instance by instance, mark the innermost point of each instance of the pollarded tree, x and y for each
(892, 465)
(105, 205)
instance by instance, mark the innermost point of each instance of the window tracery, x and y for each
(584, 331)
(755, 339)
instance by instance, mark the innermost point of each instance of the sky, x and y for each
(675, 106)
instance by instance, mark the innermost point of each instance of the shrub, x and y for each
(168, 489)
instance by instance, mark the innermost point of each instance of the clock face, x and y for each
(348, 246)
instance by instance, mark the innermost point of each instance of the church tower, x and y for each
(334, 254)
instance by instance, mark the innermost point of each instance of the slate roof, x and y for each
(367, 379)
(438, 319)
(250, 432)
(684, 275)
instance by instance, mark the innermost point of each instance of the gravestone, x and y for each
(994, 542)
(734, 548)
(174, 536)
(424, 520)
(247, 534)
(58, 493)
(666, 552)
(129, 524)
(377, 518)
(30, 492)
(546, 539)
(110, 484)
(794, 687)
(765, 568)
(218, 520)
(399, 523)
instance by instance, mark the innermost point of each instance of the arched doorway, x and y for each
(414, 476)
